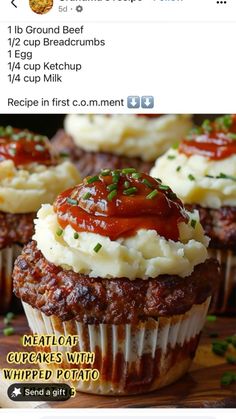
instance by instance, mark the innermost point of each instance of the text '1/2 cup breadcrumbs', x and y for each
(41, 6)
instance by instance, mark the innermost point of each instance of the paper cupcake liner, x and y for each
(224, 299)
(7, 259)
(131, 359)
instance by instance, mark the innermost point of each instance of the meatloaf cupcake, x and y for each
(29, 176)
(117, 141)
(119, 262)
(202, 171)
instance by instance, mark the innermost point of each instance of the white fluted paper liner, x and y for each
(226, 290)
(8, 256)
(130, 358)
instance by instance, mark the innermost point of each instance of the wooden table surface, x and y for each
(199, 388)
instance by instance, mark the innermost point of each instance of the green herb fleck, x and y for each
(86, 196)
(231, 359)
(64, 154)
(59, 232)
(164, 187)
(193, 223)
(191, 177)
(211, 318)
(97, 247)
(178, 168)
(130, 191)
(152, 194)
(111, 187)
(111, 195)
(72, 201)
(228, 378)
(105, 172)
(128, 170)
(76, 236)
(136, 175)
(170, 157)
(92, 179)
(175, 146)
(8, 331)
(127, 184)
(207, 126)
(147, 183)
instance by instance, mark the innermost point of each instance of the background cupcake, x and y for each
(29, 176)
(202, 171)
(119, 262)
(117, 141)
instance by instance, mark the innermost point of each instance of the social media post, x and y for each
(117, 250)
(117, 57)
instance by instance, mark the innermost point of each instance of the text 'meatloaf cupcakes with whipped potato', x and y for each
(117, 141)
(202, 171)
(118, 261)
(30, 175)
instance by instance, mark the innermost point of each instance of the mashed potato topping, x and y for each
(24, 190)
(143, 255)
(128, 135)
(197, 179)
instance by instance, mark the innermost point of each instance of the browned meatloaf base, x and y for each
(16, 228)
(69, 295)
(219, 225)
(90, 163)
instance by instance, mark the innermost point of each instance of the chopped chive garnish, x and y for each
(136, 175)
(193, 223)
(76, 236)
(8, 130)
(224, 176)
(128, 170)
(105, 172)
(97, 247)
(115, 177)
(64, 154)
(228, 378)
(87, 195)
(178, 168)
(72, 201)
(191, 177)
(175, 146)
(231, 359)
(39, 147)
(164, 187)
(147, 183)
(207, 125)
(211, 318)
(158, 179)
(10, 316)
(172, 195)
(232, 340)
(130, 191)
(92, 179)
(127, 184)
(152, 194)
(219, 347)
(12, 151)
(8, 331)
(111, 195)
(112, 187)
(170, 157)
(210, 176)
(59, 232)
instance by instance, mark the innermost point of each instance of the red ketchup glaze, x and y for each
(216, 143)
(91, 210)
(24, 147)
